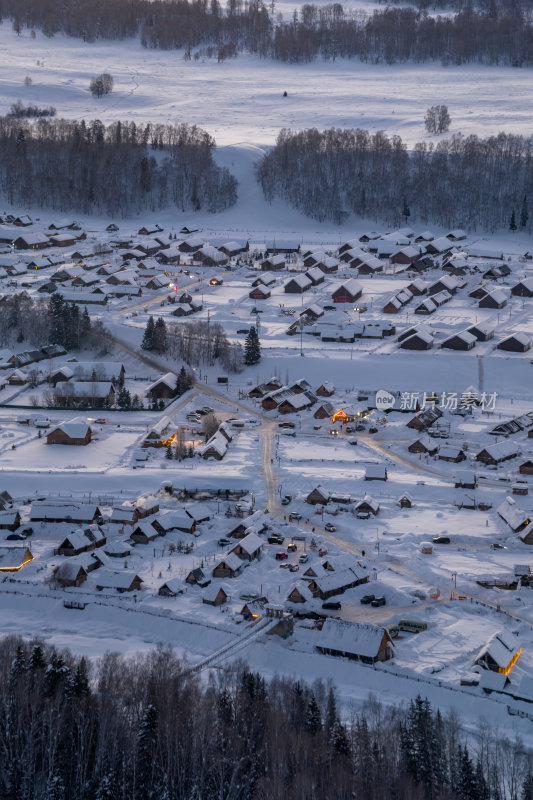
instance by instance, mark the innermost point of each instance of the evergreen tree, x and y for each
(55, 789)
(56, 334)
(148, 338)
(406, 211)
(252, 348)
(124, 398)
(37, 660)
(183, 382)
(524, 214)
(168, 453)
(512, 223)
(313, 720)
(467, 787)
(527, 787)
(146, 745)
(331, 713)
(85, 325)
(20, 337)
(339, 739)
(18, 665)
(160, 336)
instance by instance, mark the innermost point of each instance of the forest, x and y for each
(146, 727)
(463, 181)
(486, 31)
(119, 169)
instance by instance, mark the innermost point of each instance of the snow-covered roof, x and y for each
(12, 557)
(107, 579)
(169, 379)
(232, 561)
(362, 639)
(501, 647)
(76, 428)
(68, 570)
(211, 592)
(251, 543)
(513, 514)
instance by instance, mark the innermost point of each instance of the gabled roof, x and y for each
(76, 428)
(251, 543)
(501, 647)
(107, 579)
(231, 561)
(362, 639)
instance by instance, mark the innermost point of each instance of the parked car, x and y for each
(323, 552)
(27, 531)
(223, 542)
(329, 526)
(286, 425)
(244, 331)
(332, 605)
(294, 516)
(350, 429)
(101, 421)
(294, 567)
(441, 540)
(373, 429)
(367, 599)
(208, 409)
(285, 565)
(286, 500)
(363, 515)
(16, 537)
(281, 555)
(497, 546)
(292, 548)
(276, 538)
(304, 558)
(378, 601)
(352, 441)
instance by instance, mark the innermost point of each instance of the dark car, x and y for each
(373, 429)
(16, 537)
(367, 599)
(441, 540)
(281, 556)
(286, 425)
(224, 542)
(292, 548)
(497, 546)
(378, 601)
(27, 531)
(295, 516)
(244, 331)
(334, 605)
(275, 538)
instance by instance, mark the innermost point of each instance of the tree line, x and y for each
(464, 181)
(489, 31)
(144, 727)
(119, 169)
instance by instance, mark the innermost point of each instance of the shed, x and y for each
(358, 641)
(228, 567)
(215, 595)
(121, 581)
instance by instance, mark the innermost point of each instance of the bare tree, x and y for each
(437, 119)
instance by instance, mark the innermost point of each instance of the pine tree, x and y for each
(124, 398)
(467, 788)
(331, 712)
(183, 382)
(527, 787)
(56, 334)
(524, 215)
(146, 742)
(339, 739)
(37, 660)
(512, 223)
(252, 348)
(313, 720)
(148, 338)
(18, 665)
(160, 336)
(55, 789)
(168, 453)
(406, 211)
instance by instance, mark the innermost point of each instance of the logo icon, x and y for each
(384, 400)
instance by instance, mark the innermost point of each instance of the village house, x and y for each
(215, 447)
(69, 573)
(77, 513)
(121, 581)
(229, 567)
(9, 520)
(482, 332)
(273, 264)
(76, 431)
(319, 496)
(298, 284)
(517, 343)
(367, 506)
(197, 576)
(425, 419)
(348, 292)
(500, 653)
(215, 595)
(376, 472)
(355, 640)
(497, 453)
(460, 341)
(248, 548)
(174, 521)
(144, 533)
(496, 298)
(82, 541)
(161, 434)
(452, 454)
(332, 585)
(523, 288)
(14, 558)
(424, 444)
(163, 388)
(171, 588)
(87, 394)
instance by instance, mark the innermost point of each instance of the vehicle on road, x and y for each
(286, 500)
(295, 516)
(441, 540)
(352, 441)
(244, 331)
(285, 565)
(323, 552)
(330, 527)
(292, 548)
(294, 568)
(276, 538)
(304, 558)
(367, 599)
(286, 425)
(373, 429)
(332, 605)
(497, 546)
(101, 421)
(16, 537)
(363, 515)
(378, 601)
(281, 555)
(223, 542)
